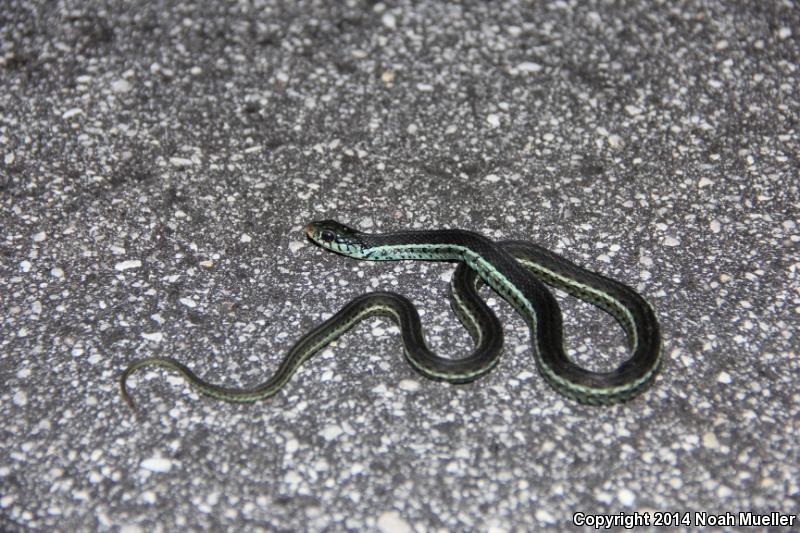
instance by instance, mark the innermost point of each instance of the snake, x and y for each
(518, 271)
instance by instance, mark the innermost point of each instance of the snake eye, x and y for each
(326, 235)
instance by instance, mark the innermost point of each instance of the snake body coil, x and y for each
(515, 270)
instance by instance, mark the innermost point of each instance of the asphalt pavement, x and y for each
(158, 161)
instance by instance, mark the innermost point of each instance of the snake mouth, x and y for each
(309, 229)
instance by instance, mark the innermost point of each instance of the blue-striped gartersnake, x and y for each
(515, 270)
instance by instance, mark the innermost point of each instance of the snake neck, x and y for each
(430, 245)
(499, 269)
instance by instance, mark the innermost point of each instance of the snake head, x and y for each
(337, 237)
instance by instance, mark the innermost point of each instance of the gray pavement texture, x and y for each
(159, 159)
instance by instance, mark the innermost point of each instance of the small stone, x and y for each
(157, 464)
(155, 337)
(545, 517)
(291, 446)
(529, 67)
(245, 238)
(409, 385)
(392, 522)
(292, 478)
(710, 440)
(626, 497)
(39, 237)
(331, 432)
(180, 162)
(70, 113)
(126, 265)
(120, 86)
(20, 398)
(387, 77)
(389, 21)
